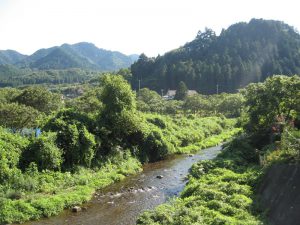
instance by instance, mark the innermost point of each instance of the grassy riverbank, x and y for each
(188, 134)
(219, 191)
(47, 193)
(32, 194)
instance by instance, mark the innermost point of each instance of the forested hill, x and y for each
(244, 53)
(81, 55)
(10, 57)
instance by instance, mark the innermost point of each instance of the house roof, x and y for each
(172, 93)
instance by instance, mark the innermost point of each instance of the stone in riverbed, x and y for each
(76, 209)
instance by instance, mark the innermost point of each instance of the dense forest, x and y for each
(241, 54)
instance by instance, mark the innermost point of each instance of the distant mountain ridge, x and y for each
(10, 57)
(241, 54)
(81, 55)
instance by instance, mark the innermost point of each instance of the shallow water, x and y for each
(121, 203)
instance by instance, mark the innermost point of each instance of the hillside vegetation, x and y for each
(241, 54)
(224, 190)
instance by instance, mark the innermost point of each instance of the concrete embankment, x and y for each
(280, 194)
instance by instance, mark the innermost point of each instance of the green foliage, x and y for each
(11, 147)
(231, 105)
(55, 191)
(92, 142)
(149, 101)
(172, 107)
(40, 99)
(242, 149)
(44, 152)
(285, 151)
(186, 135)
(17, 116)
(196, 103)
(73, 137)
(8, 94)
(155, 146)
(267, 103)
(116, 95)
(89, 102)
(181, 91)
(21, 77)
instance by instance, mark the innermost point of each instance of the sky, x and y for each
(130, 26)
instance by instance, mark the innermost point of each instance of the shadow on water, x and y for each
(121, 203)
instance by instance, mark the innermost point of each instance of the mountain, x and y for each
(81, 55)
(62, 58)
(134, 57)
(10, 57)
(106, 60)
(243, 53)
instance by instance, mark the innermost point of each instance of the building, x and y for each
(171, 94)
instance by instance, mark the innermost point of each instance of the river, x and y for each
(121, 203)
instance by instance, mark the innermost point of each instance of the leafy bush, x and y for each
(44, 152)
(155, 146)
(11, 147)
(73, 137)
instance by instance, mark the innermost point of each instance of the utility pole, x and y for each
(217, 89)
(162, 92)
(139, 85)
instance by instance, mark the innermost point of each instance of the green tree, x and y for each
(149, 101)
(181, 92)
(11, 147)
(17, 116)
(73, 137)
(126, 74)
(118, 119)
(196, 103)
(231, 105)
(172, 106)
(116, 95)
(278, 98)
(39, 98)
(89, 102)
(8, 94)
(44, 152)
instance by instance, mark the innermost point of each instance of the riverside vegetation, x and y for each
(223, 190)
(87, 143)
(107, 133)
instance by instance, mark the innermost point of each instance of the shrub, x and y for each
(155, 146)
(44, 152)
(11, 146)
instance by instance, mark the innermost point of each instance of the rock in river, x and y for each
(76, 209)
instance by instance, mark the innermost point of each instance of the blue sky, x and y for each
(131, 26)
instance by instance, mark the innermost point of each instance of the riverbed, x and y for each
(122, 202)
